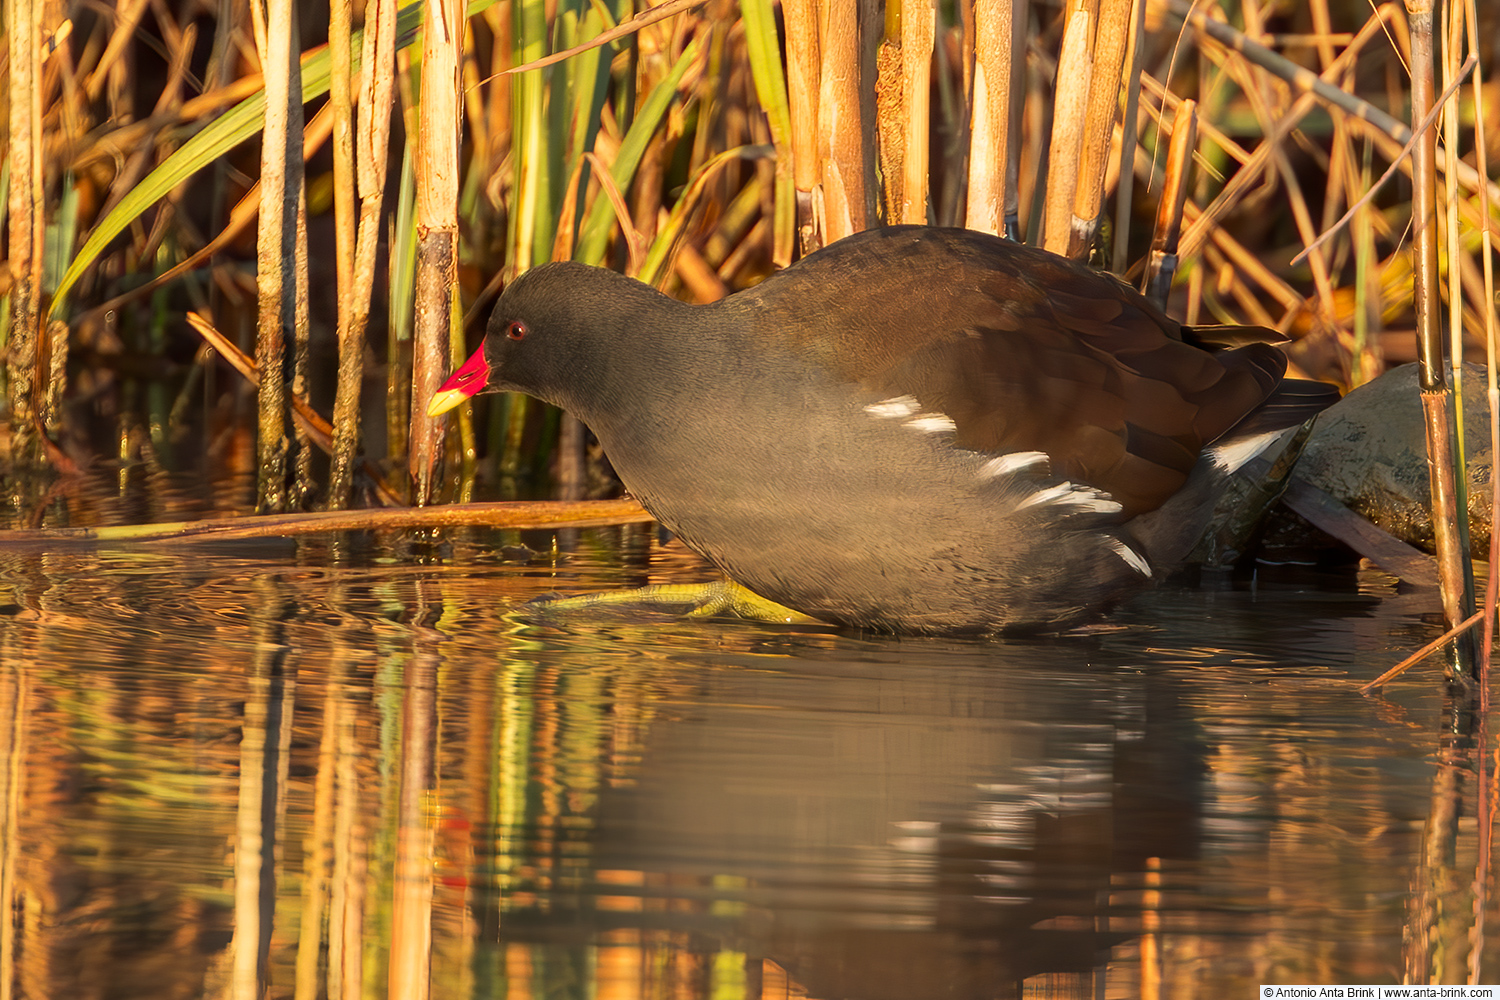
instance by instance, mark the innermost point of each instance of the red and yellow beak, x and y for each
(468, 381)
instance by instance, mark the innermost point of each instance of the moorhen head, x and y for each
(912, 430)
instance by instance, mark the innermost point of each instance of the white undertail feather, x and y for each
(1230, 455)
(1132, 557)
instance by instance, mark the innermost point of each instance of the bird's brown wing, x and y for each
(1025, 350)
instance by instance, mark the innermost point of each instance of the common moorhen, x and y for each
(912, 430)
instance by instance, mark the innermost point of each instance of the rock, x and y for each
(1369, 450)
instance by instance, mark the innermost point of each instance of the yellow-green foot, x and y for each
(691, 600)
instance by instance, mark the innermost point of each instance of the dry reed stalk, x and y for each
(1111, 37)
(802, 60)
(1125, 190)
(57, 375)
(350, 872)
(411, 911)
(1436, 396)
(1488, 795)
(302, 484)
(241, 215)
(512, 515)
(438, 142)
(1327, 312)
(844, 141)
(1161, 265)
(27, 211)
(1260, 97)
(1243, 294)
(127, 20)
(317, 858)
(1312, 87)
(530, 140)
(341, 100)
(1070, 104)
(1491, 335)
(764, 54)
(274, 249)
(16, 719)
(918, 35)
(989, 121)
(319, 431)
(257, 814)
(1020, 26)
(1451, 55)
(360, 168)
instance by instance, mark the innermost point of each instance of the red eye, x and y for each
(516, 330)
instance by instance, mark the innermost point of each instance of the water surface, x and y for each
(344, 766)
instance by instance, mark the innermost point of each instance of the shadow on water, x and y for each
(325, 768)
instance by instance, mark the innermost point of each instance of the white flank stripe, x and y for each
(1082, 497)
(1016, 461)
(896, 408)
(935, 424)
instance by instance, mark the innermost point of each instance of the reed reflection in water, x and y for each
(343, 771)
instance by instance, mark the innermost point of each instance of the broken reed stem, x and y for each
(1432, 647)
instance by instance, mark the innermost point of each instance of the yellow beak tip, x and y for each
(442, 402)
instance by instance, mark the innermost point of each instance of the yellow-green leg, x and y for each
(697, 600)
